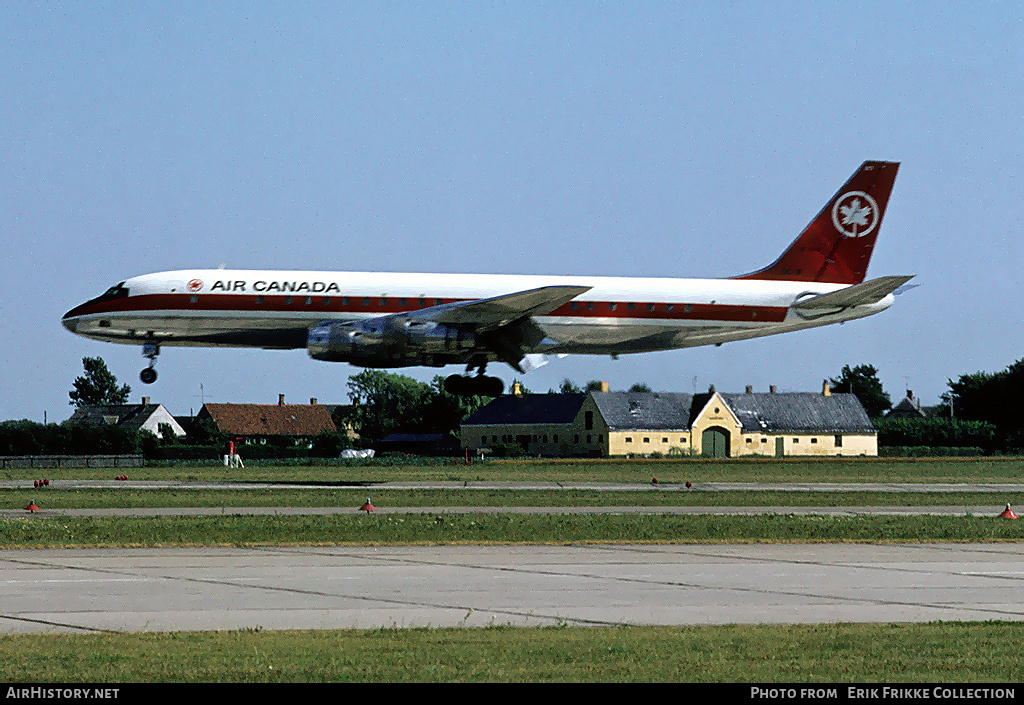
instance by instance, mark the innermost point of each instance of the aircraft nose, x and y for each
(70, 321)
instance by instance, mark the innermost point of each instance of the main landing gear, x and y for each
(150, 351)
(481, 385)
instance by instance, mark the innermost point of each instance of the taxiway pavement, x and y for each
(184, 589)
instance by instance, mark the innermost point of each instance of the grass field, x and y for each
(842, 653)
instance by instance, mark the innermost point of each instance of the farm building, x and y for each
(712, 424)
(134, 417)
(263, 423)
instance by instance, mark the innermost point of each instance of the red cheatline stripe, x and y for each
(336, 305)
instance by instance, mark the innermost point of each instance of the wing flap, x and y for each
(869, 292)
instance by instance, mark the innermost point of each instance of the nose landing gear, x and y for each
(150, 351)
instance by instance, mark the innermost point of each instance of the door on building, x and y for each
(780, 450)
(714, 443)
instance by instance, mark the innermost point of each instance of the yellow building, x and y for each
(713, 424)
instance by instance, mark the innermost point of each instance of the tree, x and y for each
(569, 387)
(384, 403)
(862, 381)
(97, 386)
(992, 397)
(640, 387)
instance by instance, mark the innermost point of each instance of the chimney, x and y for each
(280, 399)
(145, 401)
(312, 401)
(825, 391)
(711, 389)
(750, 389)
(771, 389)
(604, 386)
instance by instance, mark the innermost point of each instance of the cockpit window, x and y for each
(115, 292)
(118, 291)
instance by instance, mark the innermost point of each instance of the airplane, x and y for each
(388, 320)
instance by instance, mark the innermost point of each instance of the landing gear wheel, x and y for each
(491, 386)
(456, 385)
(483, 386)
(150, 351)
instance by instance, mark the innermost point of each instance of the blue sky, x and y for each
(604, 138)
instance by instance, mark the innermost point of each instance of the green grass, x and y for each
(912, 653)
(127, 498)
(479, 528)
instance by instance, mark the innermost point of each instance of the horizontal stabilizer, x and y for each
(869, 292)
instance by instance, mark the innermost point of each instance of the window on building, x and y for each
(647, 440)
(588, 420)
(814, 440)
(629, 439)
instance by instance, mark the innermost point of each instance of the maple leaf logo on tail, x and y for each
(855, 214)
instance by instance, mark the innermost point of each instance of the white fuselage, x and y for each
(618, 315)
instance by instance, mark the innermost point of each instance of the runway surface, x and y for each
(178, 589)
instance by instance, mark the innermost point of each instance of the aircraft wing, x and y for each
(497, 311)
(868, 292)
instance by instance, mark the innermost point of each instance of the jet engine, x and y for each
(389, 341)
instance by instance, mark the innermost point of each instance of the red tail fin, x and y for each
(836, 247)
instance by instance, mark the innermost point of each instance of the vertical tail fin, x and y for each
(836, 247)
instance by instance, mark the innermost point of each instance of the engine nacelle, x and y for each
(386, 341)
